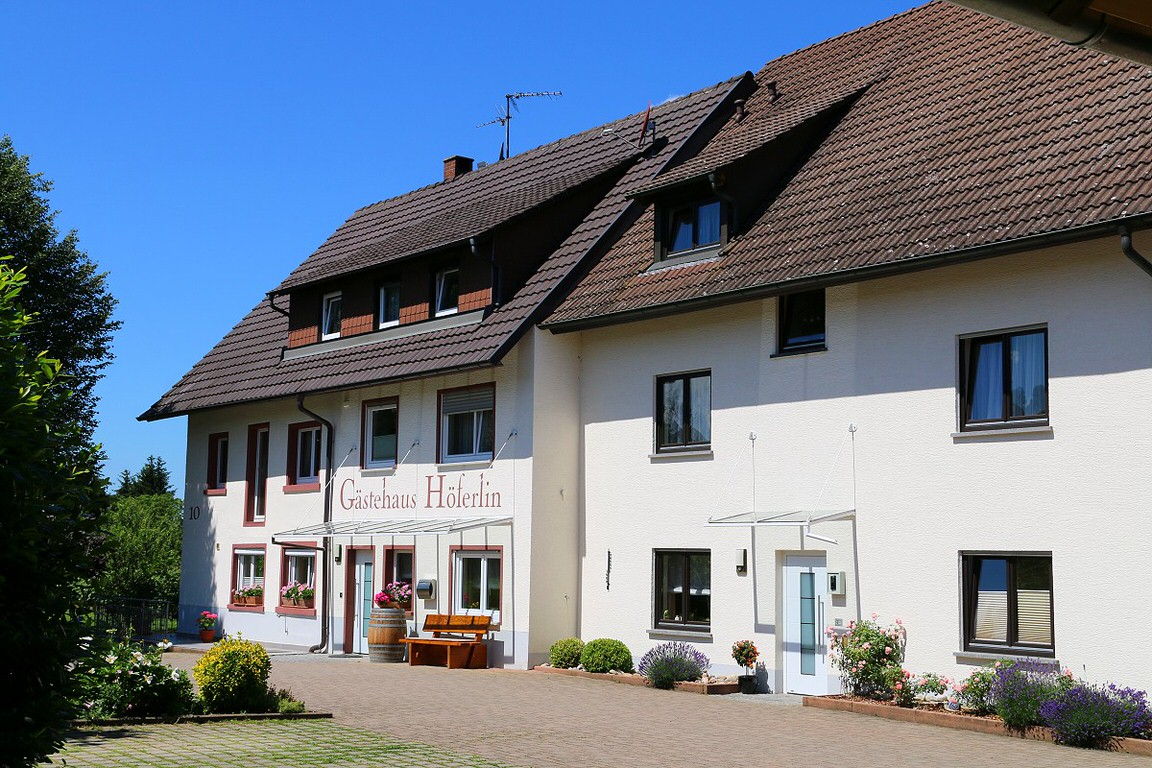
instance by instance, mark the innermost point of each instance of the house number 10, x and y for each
(194, 513)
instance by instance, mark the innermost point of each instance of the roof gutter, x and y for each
(326, 566)
(1083, 29)
(858, 274)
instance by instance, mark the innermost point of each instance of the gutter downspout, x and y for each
(326, 568)
(272, 303)
(1137, 258)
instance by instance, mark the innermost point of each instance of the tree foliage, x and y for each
(142, 550)
(51, 500)
(152, 479)
(71, 303)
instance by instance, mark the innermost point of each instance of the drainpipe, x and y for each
(733, 215)
(1137, 258)
(326, 566)
(272, 303)
(495, 268)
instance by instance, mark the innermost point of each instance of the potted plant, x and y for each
(387, 625)
(745, 654)
(255, 595)
(207, 622)
(290, 593)
(307, 594)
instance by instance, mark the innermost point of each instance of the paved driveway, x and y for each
(551, 721)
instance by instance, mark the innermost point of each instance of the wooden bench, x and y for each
(456, 642)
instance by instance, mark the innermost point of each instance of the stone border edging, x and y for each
(201, 718)
(960, 722)
(708, 689)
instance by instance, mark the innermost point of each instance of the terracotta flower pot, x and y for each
(207, 635)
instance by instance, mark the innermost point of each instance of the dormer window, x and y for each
(330, 317)
(389, 310)
(447, 292)
(693, 226)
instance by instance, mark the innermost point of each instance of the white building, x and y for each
(859, 333)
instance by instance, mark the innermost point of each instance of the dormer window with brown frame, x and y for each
(447, 291)
(330, 316)
(697, 226)
(388, 308)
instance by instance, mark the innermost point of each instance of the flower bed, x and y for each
(956, 720)
(712, 686)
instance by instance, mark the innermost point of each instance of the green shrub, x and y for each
(899, 683)
(606, 655)
(127, 680)
(866, 656)
(290, 707)
(233, 677)
(565, 653)
(281, 700)
(975, 692)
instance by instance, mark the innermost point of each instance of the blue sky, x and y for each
(201, 151)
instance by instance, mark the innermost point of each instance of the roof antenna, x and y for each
(505, 119)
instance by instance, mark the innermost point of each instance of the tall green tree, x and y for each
(51, 502)
(68, 296)
(143, 530)
(153, 478)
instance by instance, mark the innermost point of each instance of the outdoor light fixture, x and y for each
(339, 553)
(741, 561)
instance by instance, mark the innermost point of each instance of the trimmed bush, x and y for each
(671, 663)
(605, 655)
(233, 677)
(1019, 688)
(126, 680)
(565, 654)
(1090, 716)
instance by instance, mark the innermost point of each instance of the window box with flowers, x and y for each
(297, 595)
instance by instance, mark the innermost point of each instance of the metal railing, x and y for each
(132, 618)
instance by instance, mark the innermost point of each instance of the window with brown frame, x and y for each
(684, 411)
(1004, 379)
(256, 475)
(693, 227)
(217, 463)
(683, 583)
(802, 322)
(304, 450)
(1008, 603)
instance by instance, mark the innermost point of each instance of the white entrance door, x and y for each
(805, 653)
(362, 606)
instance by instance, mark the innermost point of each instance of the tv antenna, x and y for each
(505, 119)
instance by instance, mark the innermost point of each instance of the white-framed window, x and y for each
(389, 308)
(305, 454)
(217, 461)
(447, 292)
(477, 587)
(330, 317)
(256, 502)
(300, 567)
(467, 424)
(380, 425)
(249, 569)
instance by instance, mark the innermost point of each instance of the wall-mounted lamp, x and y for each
(339, 553)
(741, 561)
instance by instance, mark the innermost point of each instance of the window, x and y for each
(1008, 603)
(399, 566)
(249, 567)
(683, 411)
(447, 292)
(330, 317)
(801, 322)
(467, 424)
(477, 589)
(1004, 379)
(300, 567)
(217, 462)
(683, 597)
(304, 454)
(256, 478)
(379, 431)
(693, 226)
(389, 309)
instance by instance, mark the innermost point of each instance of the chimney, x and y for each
(457, 165)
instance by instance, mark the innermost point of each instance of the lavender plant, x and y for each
(670, 663)
(1086, 715)
(1019, 688)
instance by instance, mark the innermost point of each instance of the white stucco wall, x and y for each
(923, 496)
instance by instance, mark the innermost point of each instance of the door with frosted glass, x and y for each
(805, 653)
(362, 603)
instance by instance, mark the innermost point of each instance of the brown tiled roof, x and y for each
(968, 133)
(245, 365)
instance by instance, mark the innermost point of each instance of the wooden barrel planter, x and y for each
(386, 628)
